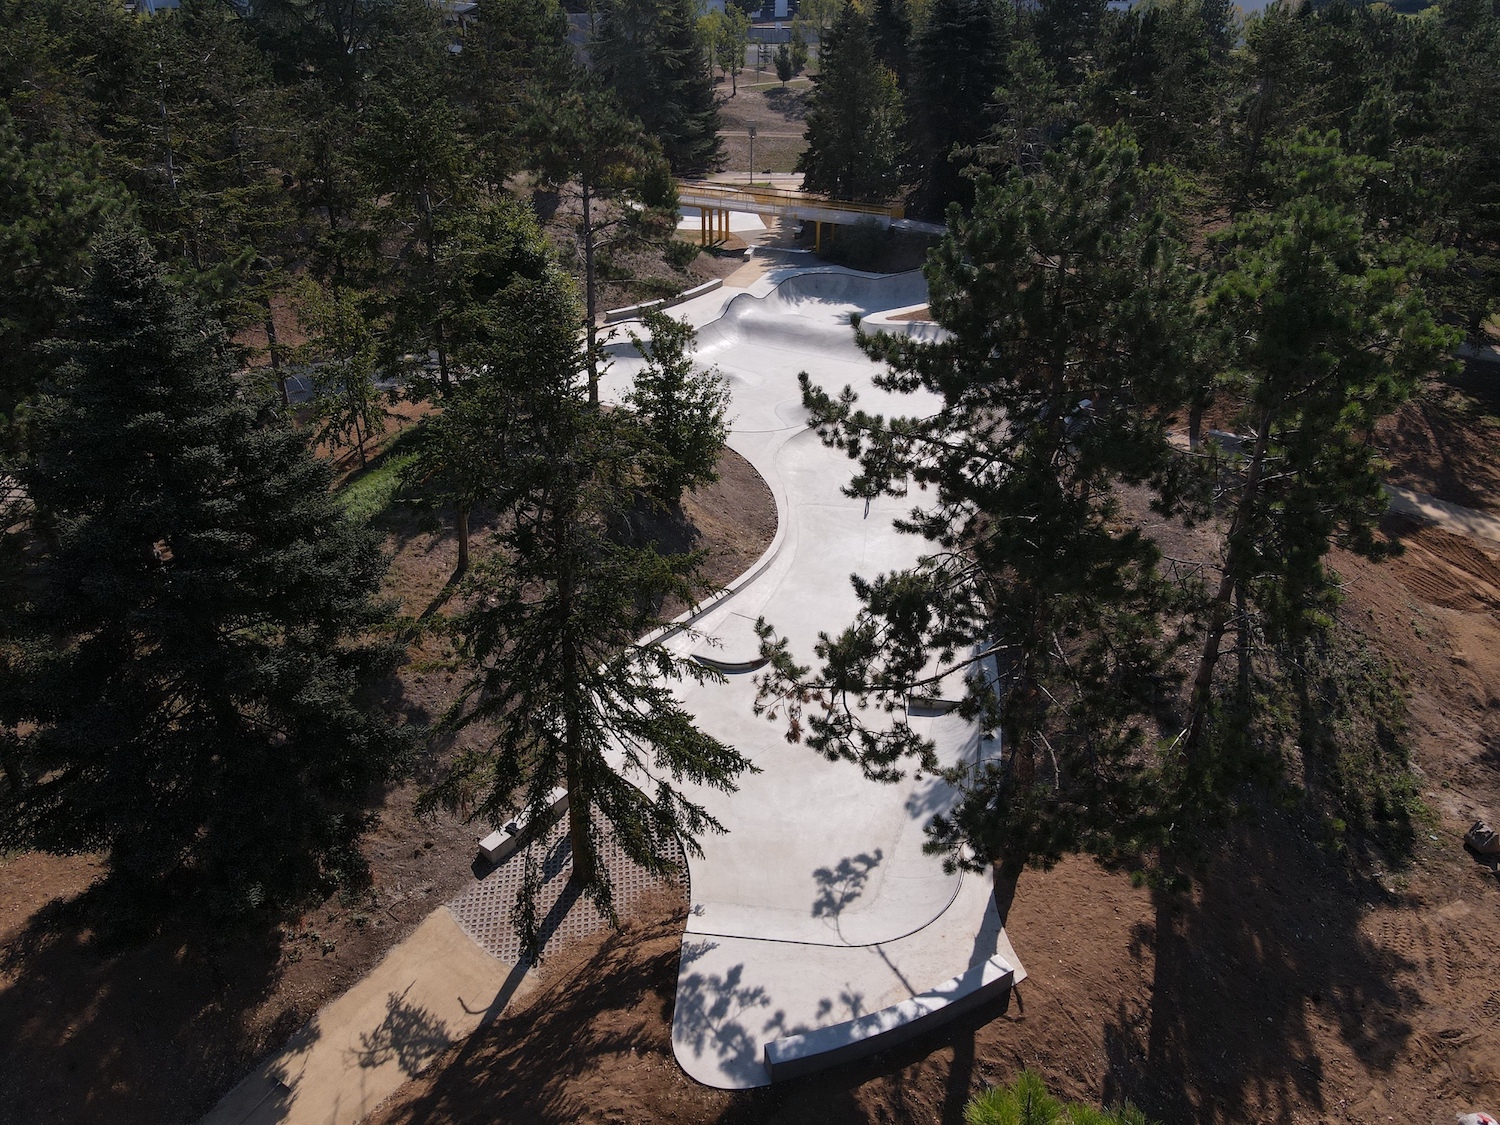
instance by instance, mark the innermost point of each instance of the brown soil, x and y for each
(154, 1033)
(1446, 441)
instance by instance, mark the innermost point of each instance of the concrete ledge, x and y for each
(499, 845)
(629, 312)
(792, 1056)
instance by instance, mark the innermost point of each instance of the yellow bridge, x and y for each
(716, 201)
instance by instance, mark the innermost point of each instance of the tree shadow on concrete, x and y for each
(1266, 949)
(409, 1034)
(596, 1009)
(843, 884)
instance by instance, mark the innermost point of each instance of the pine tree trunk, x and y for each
(1224, 598)
(273, 347)
(462, 525)
(359, 437)
(585, 863)
(437, 326)
(589, 298)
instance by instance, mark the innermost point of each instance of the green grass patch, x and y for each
(367, 494)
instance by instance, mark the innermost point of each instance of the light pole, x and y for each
(752, 155)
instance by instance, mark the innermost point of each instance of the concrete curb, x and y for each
(613, 316)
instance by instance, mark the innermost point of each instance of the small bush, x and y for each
(679, 254)
(1026, 1102)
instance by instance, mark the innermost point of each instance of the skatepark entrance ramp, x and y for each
(716, 201)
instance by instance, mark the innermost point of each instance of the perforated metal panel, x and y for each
(484, 909)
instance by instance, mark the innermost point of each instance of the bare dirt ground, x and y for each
(1444, 442)
(779, 116)
(1302, 978)
(154, 1033)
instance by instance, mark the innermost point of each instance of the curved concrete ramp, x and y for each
(818, 906)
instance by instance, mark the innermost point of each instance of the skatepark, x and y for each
(818, 929)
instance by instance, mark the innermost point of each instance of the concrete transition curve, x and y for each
(819, 930)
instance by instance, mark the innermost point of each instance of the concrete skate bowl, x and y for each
(818, 919)
(810, 312)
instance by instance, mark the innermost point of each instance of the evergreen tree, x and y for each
(890, 29)
(854, 120)
(1158, 75)
(1031, 113)
(53, 202)
(1331, 333)
(681, 409)
(557, 675)
(651, 53)
(495, 247)
(1066, 307)
(959, 60)
(589, 145)
(1067, 32)
(203, 718)
(414, 150)
(784, 69)
(515, 63)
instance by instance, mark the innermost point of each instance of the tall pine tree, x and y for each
(854, 120)
(197, 695)
(1066, 305)
(558, 676)
(653, 55)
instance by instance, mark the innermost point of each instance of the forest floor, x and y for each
(154, 1033)
(1306, 976)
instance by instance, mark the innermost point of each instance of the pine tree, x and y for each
(651, 54)
(958, 61)
(890, 29)
(198, 685)
(1067, 305)
(557, 675)
(515, 63)
(784, 69)
(1068, 31)
(854, 120)
(415, 150)
(1332, 332)
(53, 201)
(681, 409)
(494, 247)
(589, 145)
(1158, 76)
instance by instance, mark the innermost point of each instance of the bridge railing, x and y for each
(777, 201)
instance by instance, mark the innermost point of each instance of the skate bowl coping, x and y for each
(793, 1056)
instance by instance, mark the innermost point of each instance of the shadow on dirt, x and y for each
(1266, 947)
(96, 1029)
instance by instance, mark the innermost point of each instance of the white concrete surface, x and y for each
(818, 906)
(1450, 517)
(740, 222)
